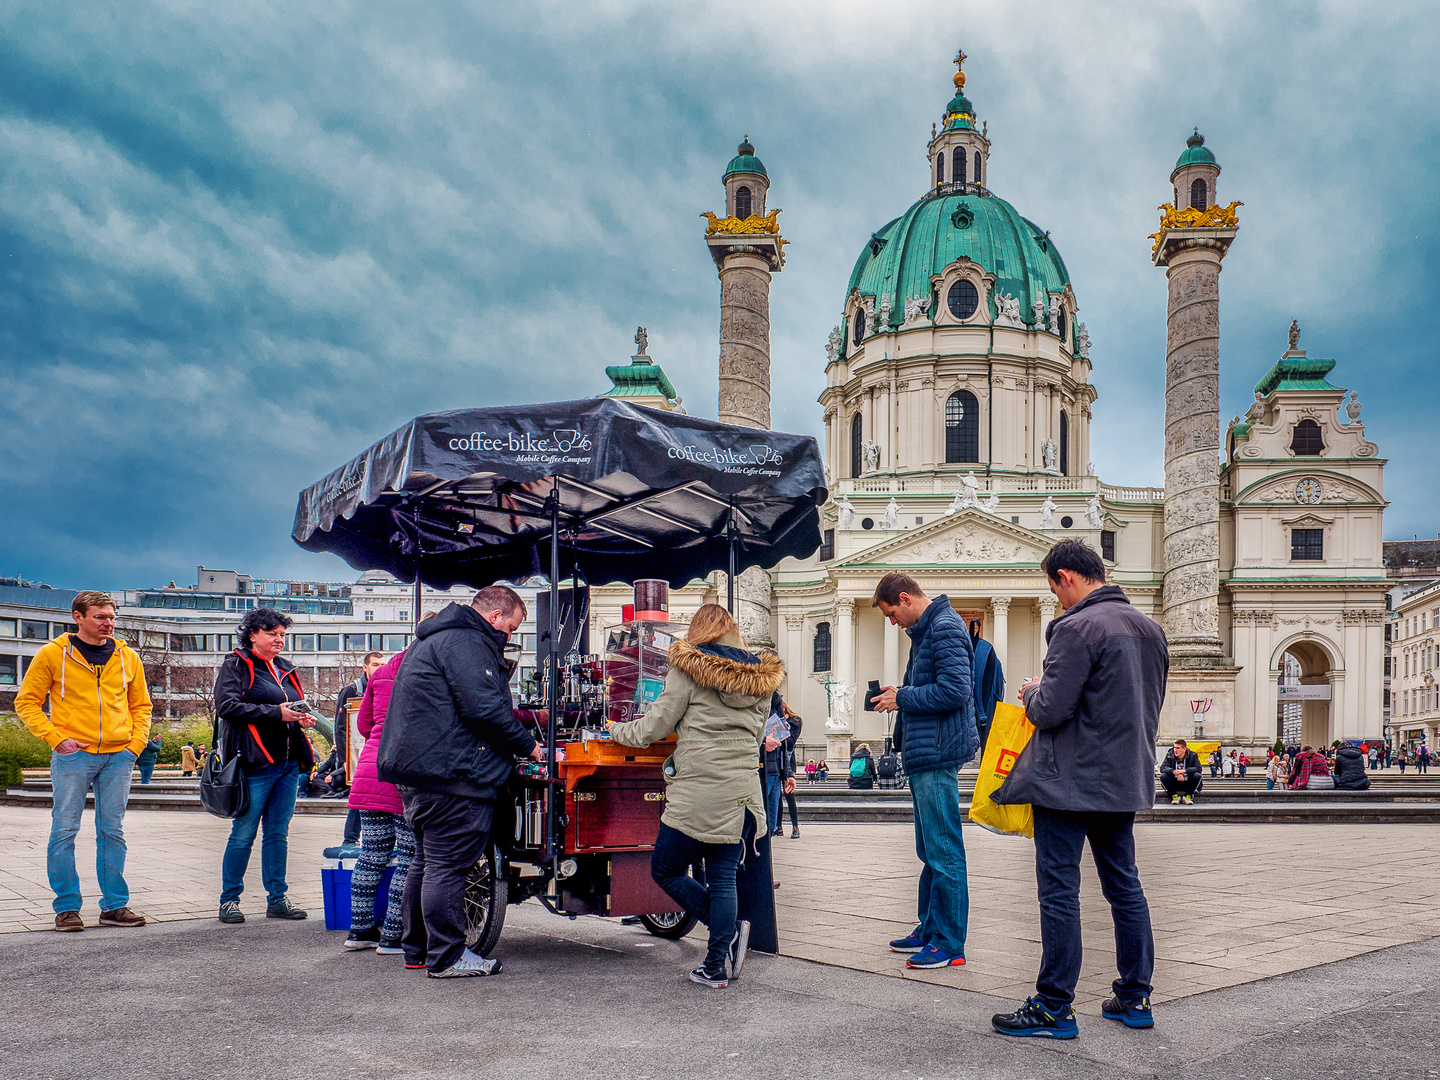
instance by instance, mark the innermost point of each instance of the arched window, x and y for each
(1060, 323)
(977, 167)
(742, 202)
(859, 331)
(962, 428)
(963, 299)
(857, 436)
(957, 173)
(822, 647)
(1198, 195)
(940, 167)
(1064, 443)
(1306, 440)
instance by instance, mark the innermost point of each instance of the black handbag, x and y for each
(223, 790)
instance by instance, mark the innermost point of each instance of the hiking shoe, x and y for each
(1175, 800)
(284, 909)
(368, 938)
(389, 948)
(68, 922)
(911, 942)
(1035, 1020)
(121, 916)
(1135, 1014)
(469, 964)
(705, 978)
(230, 911)
(1189, 800)
(931, 957)
(735, 958)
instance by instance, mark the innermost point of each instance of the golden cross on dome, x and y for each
(960, 59)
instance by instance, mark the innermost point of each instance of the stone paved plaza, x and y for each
(1231, 903)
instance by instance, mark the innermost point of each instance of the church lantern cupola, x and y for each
(1195, 176)
(746, 183)
(959, 153)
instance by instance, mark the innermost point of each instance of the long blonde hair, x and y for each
(712, 623)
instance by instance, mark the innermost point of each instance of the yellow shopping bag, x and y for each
(1010, 731)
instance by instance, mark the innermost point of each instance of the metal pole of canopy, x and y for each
(552, 696)
(416, 613)
(733, 535)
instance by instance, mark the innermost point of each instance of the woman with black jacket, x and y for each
(254, 693)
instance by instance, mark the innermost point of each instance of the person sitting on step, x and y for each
(1180, 773)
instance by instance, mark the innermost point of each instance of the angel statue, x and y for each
(847, 514)
(1093, 512)
(871, 451)
(1048, 451)
(992, 504)
(1008, 310)
(1047, 513)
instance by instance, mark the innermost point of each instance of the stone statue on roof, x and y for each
(642, 341)
(1294, 334)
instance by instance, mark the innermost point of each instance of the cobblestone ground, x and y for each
(1231, 904)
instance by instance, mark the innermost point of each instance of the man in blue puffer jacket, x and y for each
(936, 734)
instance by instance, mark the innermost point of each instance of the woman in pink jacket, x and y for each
(382, 826)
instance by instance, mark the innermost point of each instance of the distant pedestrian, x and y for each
(98, 725)
(1350, 769)
(1215, 758)
(255, 692)
(1227, 765)
(822, 771)
(1311, 771)
(1242, 762)
(716, 700)
(383, 828)
(1403, 759)
(1422, 758)
(811, 771)
(146, 761)
(989, 682)
(187, 759)
(1275, 771)
(936, 734)
(792, 745)
(1373, 756)
(1087, 769)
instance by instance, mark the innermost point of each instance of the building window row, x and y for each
(962, 434)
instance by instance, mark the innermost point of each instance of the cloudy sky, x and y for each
(240, 242)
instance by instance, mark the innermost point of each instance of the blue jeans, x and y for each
(944, 907)
(272, 800)
(71, 776)
(774, 787)
(1059, 839)
(713, 903)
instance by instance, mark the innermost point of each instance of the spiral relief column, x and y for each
(1195, 233)
(747, 248)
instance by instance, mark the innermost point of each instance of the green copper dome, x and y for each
(960, 113)
(1195, 152)
(746, 161)
(939, 229)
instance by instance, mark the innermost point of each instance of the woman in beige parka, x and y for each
(716, 701)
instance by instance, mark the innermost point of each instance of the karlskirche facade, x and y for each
(957, 403)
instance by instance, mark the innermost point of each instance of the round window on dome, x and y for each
(963, 299)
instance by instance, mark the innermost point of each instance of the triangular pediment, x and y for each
(968, 537)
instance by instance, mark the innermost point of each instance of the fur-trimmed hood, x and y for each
(727, 669)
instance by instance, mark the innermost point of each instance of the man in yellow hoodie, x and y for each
(99, 723)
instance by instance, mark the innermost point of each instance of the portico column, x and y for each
(1047, 612)
(1000, 629)
(795, 665)
(891, 669)
(845, 641)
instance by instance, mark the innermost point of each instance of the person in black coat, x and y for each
(1350, 769)
(255, 692)
(1180, 772)
(868, 775)
(449, 744)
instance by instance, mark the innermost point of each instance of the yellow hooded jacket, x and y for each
(107, 710)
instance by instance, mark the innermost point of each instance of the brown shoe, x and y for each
(69, 922)
(121, 917)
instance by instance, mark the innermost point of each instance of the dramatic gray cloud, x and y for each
(237, 244)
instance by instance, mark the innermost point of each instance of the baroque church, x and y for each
(957, 404)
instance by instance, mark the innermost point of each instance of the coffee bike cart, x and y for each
(591, 491)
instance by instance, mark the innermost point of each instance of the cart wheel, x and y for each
(485, 901)
(671, 924)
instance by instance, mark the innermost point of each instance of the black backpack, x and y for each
(889, 767)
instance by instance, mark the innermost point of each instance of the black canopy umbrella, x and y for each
(475, 496)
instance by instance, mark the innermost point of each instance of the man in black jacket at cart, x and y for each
(449, 744)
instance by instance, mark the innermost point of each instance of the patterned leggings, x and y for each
(380, 834)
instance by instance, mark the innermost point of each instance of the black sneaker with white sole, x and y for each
(716, 981)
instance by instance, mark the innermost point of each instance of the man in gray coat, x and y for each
(1089, 766)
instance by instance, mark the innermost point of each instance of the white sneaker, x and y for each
(468, 964)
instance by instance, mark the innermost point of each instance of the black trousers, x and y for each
(1059, 839)
(451, 834)
(1174, 787)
